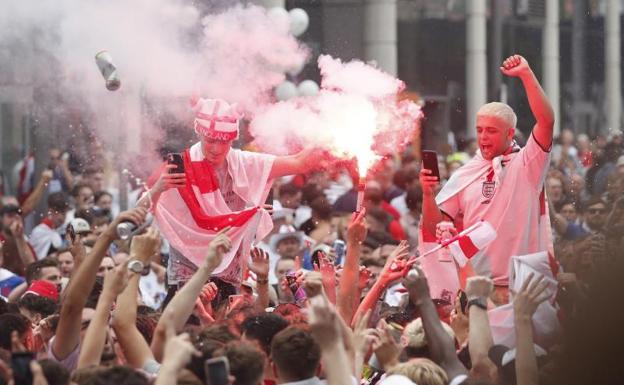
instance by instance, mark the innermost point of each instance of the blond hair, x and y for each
(501, 111)
(421, 371)
(414, 334)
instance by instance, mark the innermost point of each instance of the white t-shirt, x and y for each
(512, 207)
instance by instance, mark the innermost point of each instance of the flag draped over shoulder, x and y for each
(190, 217)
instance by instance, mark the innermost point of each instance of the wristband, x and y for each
(480, 302)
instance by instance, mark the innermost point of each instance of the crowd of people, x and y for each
(328, 296)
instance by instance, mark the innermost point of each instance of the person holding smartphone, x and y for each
(211, 186)
(502, 184)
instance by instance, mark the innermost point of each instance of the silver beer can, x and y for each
(104, 62)
(125, 230)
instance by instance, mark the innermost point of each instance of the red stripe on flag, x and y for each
(554, 266)
(202, 175)
(468, 248)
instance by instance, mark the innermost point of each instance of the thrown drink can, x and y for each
(125, 230)
(104, 62)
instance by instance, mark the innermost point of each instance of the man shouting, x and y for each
(503, 184)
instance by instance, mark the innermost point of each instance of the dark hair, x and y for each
(262, 328)
(374, 195)
(310, 192)
(404, 177)
(100, 194)
(594, 201)
(321, 207)
(76, 190)
(38, 304)
(86, 214)
(296, 354)
(54, 372)
(58, 202)
(10, 322)
(288, 189)
(92, 170)
(146, 324)
(208, 341)
(94, 296)
(246, 362)
(379, 214)
(119, 375)
(33, 271)
(414, 198)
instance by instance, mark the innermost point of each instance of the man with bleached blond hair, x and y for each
(503, 184)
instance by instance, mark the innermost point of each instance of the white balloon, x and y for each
(308, 88)
(280, 17)
(299, 21)
(294, 71)
(285, 91)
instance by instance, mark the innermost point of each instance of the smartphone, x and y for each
(71, 232)
(298, 291)
(463, 300)
(20, 363)
(430, 162)
(340, 249)
(176, 158)
(216, 371)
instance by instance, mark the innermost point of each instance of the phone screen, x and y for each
(71, 232)
(176, 158)
(430, 162)
(20, 363)
(217, 371)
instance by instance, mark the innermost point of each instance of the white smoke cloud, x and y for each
(356, 114)
(165, 51)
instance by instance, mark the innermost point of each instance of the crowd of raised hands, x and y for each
(334, 317)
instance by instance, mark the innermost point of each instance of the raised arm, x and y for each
(431, 214)
(440, 343)
(35, 196)
(95, 338)
(558, 221)
(260, 266)
(326, 328)
(135, 348)
(348, 288)
(178, 353)
(517, 66)
(394, 269)
(81, 284)
(300, 163)
(165, 182)
(525, 304)
(478, 290)
(23, 249)
(183, 303)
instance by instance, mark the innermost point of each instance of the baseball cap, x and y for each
(10, 209)
(43, 288)
(80, 225)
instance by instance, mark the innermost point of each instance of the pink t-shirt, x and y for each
(512, 206)
(70, 362)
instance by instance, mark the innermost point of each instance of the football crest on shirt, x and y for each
(488, 189)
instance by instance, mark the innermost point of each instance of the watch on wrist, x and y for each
(480, 302)
(135, 266)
